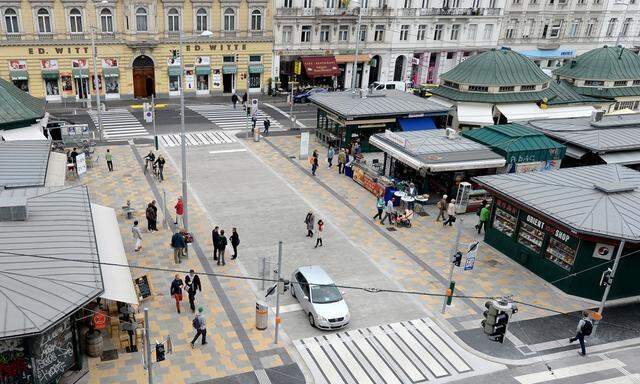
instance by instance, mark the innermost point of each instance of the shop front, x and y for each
(255, 75)
(567, 225)
(51, 79)
(203, 74)
(19, 75)
(80, 73)
(173, 74)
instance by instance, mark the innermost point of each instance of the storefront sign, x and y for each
(203, 60)
(297, 67)
(15, 366)
(535, 221)
(99, 320)
(53, 353)
(215, 47)
(217, 78)
(17, 65)
(81, 163)
(49, 64)
(507, 207)
(360, 177)
(529, 167)
(603, 251)
(188, 77)
(173, 62)
(79, 63)
(110, 63)
(396, 139)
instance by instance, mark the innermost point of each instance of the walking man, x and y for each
(451, 212)
(235, 241)
(179, 207)
(245, 97)
(109, 157)
(267, 124)
(388, 211)
(160, 164)
(152, 217)
(200, 325)
(309, 222)
(234, 99)
(137, 236)
(484, 217)
(442, 208)
(149, 159)
(222, 245)
(314, 162)
(319, 236)
(254, 120)
(179, 244)
(379, 206)
(330, 154)
(342, 160)
(176, 291)
(192, 281)
(584, 328)
(215, 236)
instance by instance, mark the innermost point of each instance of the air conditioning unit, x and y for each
(451, 133)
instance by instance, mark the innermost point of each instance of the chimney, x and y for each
(13, 209)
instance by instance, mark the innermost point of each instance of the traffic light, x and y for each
(174, 54)
(496, 318)
(606, 278)
(159, 352)
(457, 258)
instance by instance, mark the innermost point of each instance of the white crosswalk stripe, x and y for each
(225, 117)
(571, 371)
(119, 124)
(198, 138)
(417, 351)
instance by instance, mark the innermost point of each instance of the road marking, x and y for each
(285, 114)
(407, 366)
(427, 357)
(370, 354)
(575, 370)
(228, 151)
(118, 123)
(350, 362)
(441, 346)
(323, 362)
(228, 118)
(290, 308)
(631, 379)
(198, 138)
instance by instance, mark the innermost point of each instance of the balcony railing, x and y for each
(77, 36)
(13, 36)
(407, 12)
(461, 12)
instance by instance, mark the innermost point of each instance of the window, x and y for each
(75, 21)
(516, 2)
(594, 83)
(425, 4)
(590, 26)
(437, 34)
(478, 88)
(228, 59)
(141, 20)
(173, 20)
(324, 34)
(510, 88)
(451, 84)
(343, 4)
(201, 20)
(472, 31)
(620, 83)
(106, 21)
(307, 4)
(455, 4)
(422, 32)
(407, 3)
(288, 3)
(455, 32)
(636, 82)
(363, 33)
(11, 21)
(525, 88)
(287, 33)
(625, 27)
(343, 33)
(554, 32)
(510, 32)
(404, 33)
(379, 33)
(329, 4)
(488, 32)
(44, 21)
(611, 26)
(229, 19)
(256, 20)
(581, 2)
(449, 55)
(574, 28)
(305, 35)
(255, 58)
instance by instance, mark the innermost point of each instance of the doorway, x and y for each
(143, 77)
(82, 88)
(228, 82)
(374, 69)
(398, 72)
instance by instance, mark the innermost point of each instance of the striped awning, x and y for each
(256, 68)
(50, 73)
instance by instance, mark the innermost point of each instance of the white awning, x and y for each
(568, 112)
(521, 112)
(575, 152)
(444, 102)
(394, 152)
(56, 170)
(462, 165)
(33, 132)
(623, 158)
(475, 113)
(117, 280)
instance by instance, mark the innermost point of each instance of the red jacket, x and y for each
(179, 208)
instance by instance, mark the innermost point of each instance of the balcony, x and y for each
(461, 12)
(45, 36)
(77, 36)
(407, 12)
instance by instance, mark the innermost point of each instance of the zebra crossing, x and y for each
(198, 138)
(119, 124)
(225, 117)
(414, 351)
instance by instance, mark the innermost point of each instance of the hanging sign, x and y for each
(81, 164)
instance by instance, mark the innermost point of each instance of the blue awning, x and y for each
(550, 53)
(417, 124)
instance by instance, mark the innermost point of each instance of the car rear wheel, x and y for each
(311, 320)
(293, 291)
(305, 99)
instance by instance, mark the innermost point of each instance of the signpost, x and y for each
(472, 252)
(81, 164)
(254, 115)
(304, 146)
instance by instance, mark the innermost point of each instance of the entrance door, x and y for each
(82, 88)
(374, 69)
(227, 82)
(143, 77)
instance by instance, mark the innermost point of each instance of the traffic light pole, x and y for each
(153, 116)
(185, 216)
(147, 342)
(278, 291)
(608, 287)
(454, 250)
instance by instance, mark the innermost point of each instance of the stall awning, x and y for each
(341, 59)
(622, 158)
(117, 280)
(80, 73)
(475, 114)
(19, 75)
(416, 124)
(568, 112)
(229, 69)
(173, 70)
(464, 165)
(521, 112)
(33, 132)
(320, 66)
(203, 70)
(395, 152)
(256, 68)
(111, 72)
(50, 73)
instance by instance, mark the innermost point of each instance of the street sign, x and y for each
(304, 146)
(254, 107)
(472, 253)
(468, 263)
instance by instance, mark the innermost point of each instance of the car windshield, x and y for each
(323, 294)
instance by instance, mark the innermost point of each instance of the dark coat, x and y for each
(222, 242)
(195, 283)
(151, 213)
(176, 287)
(178, 241)
(214, 238)
(235, 239)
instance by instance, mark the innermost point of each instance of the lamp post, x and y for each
(96, 82)
(183, 145)
(355, 60)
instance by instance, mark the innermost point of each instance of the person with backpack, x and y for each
(199, 323)
(584, 328)
(267, 124)
(222, 246)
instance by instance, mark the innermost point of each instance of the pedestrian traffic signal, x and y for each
(496, 318)
(159, 352)
(457, 258)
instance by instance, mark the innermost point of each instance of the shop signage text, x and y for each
(86, 50)
(535, 222)
(551, 230)
(507, 207)
(214, 47)
(58, 50)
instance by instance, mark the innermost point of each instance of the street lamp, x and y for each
(355, 61)
(96, 83)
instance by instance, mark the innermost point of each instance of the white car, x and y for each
(319, 297)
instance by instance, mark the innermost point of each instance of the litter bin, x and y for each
(262, 315)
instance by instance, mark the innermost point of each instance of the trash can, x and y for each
(262, 315)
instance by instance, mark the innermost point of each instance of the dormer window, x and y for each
(594, 83)
(527, 88)
(451, 84)
(478, 88)
(507, 89)
(620, 83)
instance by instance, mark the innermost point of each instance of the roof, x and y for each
(606, 63)
(612, 133)
(608, 93)
(36, 293)
(510, 138)
(316, 275)
(18, 108)
(576, 197)
(380, 103)
(498, 67)
(24, 163)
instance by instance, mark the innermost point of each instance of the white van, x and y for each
(380, 85)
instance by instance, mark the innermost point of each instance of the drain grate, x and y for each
(493, 262)
(391, 229)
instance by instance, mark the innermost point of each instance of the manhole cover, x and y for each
(492, 262)
(109, 355)
(391, 229)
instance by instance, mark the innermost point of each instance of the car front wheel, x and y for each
(311, 320)
(293, 291)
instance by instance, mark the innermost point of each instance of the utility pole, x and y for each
(291, 108)
(96, 83)
(185, 216)
(355, 61)
(153, 117)
(608, 287)
(280, 284)
(454, 250)
(147, 342)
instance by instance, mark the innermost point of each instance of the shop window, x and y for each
(254, 80)
(530, 87)
(531, 237)
(620, 83)
(560, 253)
(505, 218)
(11, 21)
(173, 20)
(174, 84)
(422, 32)
(229, 19)
(305, 35)
(112, 85)
(106, 21)
(437, 34)
(141, 20)
(256, 20)
(75, 21)
(51, 87)
(44, 21)
(202, 22)
(202, 83)
(22, 85)
(343, 33)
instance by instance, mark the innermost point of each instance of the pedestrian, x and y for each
(222, 245)
(314, 162)
(234, 99)
(149, 159)
(584, 328)
(200, 325)
(178, 243)
(442, 208)
(245, 97)
(451, 212)
(379, 206)
(74, 155)
(330, 153)
(254, 121)
(342, 160)
(309, 222)
(192, 281)
(412, 192)
(215, 235)
(152, 217)
(235, 241)
(160, 164)
(176, 291)
(388, 211)
(319, 235)
(347, 158)
(179, 207)
(109, 157)
(483, 214)
(267, 124)
(137, 236)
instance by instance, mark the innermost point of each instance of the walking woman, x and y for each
(152, 217)
(309, 221)
(379, 206)
(176, 291)
(319, 237)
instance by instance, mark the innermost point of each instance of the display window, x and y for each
(202, 83)
(51, 87)
(505, 218)
(560, 254)
(531, 237)
(254, 80)
(22, 85)
(112, 86)
(174, 84)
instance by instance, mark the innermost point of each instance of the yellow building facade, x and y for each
(45, 47)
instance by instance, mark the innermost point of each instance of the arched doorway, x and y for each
(143, 77)
(398, 72)
(374, 69)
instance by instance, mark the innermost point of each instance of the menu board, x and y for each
(531, 236)
(53, 353)
(505, 218)
(142, 283)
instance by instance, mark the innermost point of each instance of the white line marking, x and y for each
(228, 151)
(632, 379)
(575, 370)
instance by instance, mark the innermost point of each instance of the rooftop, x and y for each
(18, 108)
(380, 103)
(24, 163)
(600, 200)
(36, 292)
(510, 138)
(606, 63)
